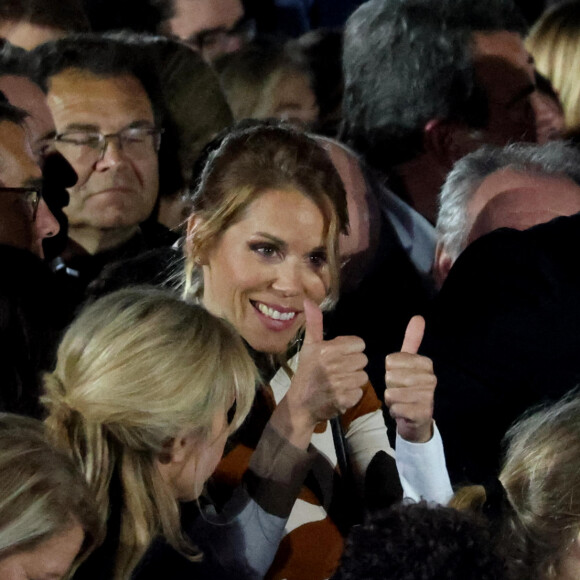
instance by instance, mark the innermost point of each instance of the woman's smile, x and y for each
(276, 318)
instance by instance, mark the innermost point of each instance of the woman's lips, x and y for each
(275, 317)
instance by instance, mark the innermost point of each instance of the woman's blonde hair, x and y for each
(134, 370)
(541, 478)
(554, 42)
(243, 164)
(43, 493)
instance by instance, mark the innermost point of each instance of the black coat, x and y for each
(504, 335)
(31, 317)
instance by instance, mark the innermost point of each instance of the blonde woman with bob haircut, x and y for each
(534, 508)
(554, 42)
(48, 520)
(145, 392)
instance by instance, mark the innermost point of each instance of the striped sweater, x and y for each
(307, 486)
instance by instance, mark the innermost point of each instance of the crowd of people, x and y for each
(289, 290)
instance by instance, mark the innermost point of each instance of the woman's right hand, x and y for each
(328, 380)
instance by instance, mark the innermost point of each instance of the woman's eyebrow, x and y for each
(273, 238)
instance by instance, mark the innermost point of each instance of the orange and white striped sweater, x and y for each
(307, 487)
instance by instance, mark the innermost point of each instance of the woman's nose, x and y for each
(288, 278)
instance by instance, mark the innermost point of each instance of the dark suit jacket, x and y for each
(504, 335)
(31, 316)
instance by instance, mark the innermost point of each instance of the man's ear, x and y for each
(441, 265)
(447, 141)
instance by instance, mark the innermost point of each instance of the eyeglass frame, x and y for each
(104, 138)
(245, 27)
(26, 190)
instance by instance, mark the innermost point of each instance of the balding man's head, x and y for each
(358, 247)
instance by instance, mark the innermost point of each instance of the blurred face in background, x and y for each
(214, 27)
(28, 35)
(505, 70)
(293, 100)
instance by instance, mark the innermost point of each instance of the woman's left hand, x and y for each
(411, 386)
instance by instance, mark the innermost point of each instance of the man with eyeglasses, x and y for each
(25, 219)
(103, 99)
(213, 27)
(19, 88)
(29, 301)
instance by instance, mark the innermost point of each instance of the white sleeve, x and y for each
(422, 469)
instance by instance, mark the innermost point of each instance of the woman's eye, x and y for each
(318, 259)
(264, 250)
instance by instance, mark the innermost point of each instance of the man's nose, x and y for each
(46, 224)
(112, 152)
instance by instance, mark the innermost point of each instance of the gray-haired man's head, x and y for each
(517, 186)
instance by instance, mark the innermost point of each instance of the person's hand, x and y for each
(328, 380)
(411, 385)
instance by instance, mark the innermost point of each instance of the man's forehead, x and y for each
(17, 165)
(26, 95)
(79, 96)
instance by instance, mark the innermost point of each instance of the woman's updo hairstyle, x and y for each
(135, 369)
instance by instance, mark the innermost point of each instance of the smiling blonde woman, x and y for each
(262, 252)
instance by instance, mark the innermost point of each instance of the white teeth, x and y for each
(274, 314)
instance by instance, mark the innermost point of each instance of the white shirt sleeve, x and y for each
(422, 469)
(421, 466)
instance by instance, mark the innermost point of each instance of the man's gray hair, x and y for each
(557, 159)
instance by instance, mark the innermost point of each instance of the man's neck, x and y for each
(418, 182)
(95, 241)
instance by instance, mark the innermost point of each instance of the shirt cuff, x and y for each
(422, 469)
